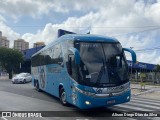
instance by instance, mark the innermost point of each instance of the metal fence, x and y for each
(150, 77)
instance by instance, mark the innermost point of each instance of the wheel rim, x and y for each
(63, 97)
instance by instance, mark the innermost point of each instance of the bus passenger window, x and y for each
(57, 54)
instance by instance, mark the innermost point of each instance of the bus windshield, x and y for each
(102, 64)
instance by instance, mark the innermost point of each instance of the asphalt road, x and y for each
(24, 97)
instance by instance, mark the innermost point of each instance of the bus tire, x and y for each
(37, 86)
(63, 97)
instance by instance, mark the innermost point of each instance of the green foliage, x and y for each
(10, 59)
(143, 75)
(142, 84)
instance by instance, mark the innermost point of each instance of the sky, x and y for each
(135, 23)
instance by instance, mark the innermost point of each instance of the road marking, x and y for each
(143, 105)
(4, 118)
(151, 103)
(115, 108)
(145, 99)
(132, 107)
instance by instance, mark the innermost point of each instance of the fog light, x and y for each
(87, 102)
(127, 97)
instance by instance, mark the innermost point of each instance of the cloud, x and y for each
(109, 18)
(151, 57)
(34, 8)
(48, 34)
(2, 19)
(8, 32)
(154, 12)
(37, 8)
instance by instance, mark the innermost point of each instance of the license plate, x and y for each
(111, 102)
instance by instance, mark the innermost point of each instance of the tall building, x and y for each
(38, 44)
(4, 42)
(21, 44)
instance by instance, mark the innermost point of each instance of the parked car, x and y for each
(22, 78)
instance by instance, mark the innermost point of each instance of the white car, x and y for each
(22, 78)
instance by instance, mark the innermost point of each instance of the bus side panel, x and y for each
(56, 76)
(66, 81)
(72, 98)
(52, 80)
(39, 74)
(35, 75)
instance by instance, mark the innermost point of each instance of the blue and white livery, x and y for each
(87, 71)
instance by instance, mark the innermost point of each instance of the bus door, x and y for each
(72, 71)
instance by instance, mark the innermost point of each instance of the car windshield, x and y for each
(102, 64)
(21, 75)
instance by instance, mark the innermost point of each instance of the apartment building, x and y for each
(4, 42)
(21, 44)
(38, 44)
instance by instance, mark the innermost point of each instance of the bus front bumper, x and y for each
(86, 102)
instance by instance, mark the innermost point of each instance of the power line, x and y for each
(148, 49)
(137, 32)
(105, 27)
(157, 47)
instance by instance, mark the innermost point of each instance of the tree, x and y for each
(10, 59)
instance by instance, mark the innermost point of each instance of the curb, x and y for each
(145, 92)
(3, 78)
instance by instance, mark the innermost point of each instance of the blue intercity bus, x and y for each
(87, 71)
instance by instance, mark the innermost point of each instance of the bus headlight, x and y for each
(87, 103)
(84, 92)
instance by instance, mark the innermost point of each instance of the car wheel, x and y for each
(63, 97)
(13, 82)
(37, 86)
(24, 81)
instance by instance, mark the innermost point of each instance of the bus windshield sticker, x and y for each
(88, 76)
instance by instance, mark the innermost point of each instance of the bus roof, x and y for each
(81, 37)
(88, 37)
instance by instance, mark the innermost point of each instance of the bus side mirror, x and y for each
(76, 55)
(133, 54)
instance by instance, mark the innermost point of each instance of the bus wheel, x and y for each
(37, 86)
(63, 97)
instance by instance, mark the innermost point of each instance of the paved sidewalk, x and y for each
(3, 77)
(150, 91)
(137, 86)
